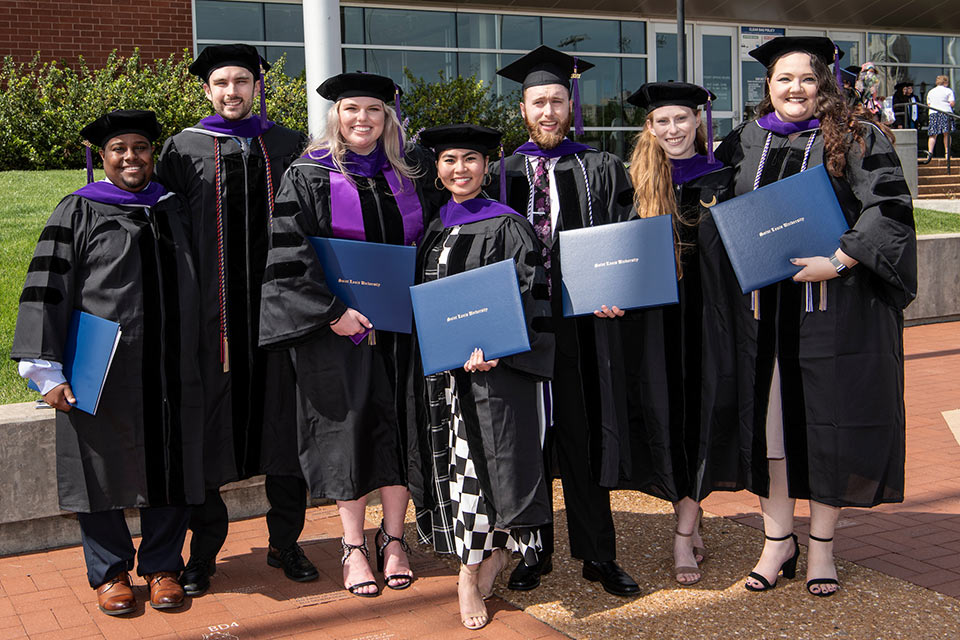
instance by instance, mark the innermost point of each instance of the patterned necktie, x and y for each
(541, 210)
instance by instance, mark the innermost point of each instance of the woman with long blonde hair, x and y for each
(357, 182)
(678, 398)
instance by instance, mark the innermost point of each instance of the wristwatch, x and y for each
(841, 268)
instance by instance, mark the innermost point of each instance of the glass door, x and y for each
(663, 59)
(717, 70)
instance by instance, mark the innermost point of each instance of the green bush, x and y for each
(44, 106)
(456, 100)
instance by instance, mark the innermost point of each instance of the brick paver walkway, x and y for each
(918, 540)
(46, 596)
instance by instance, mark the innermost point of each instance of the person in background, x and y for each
(681, 361)
(560, 184)
(905, 112)
(942, 99)
(485, 493)
(229, 166)
(821, 355)
(119, 249)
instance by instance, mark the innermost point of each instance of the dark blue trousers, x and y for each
(108, 548)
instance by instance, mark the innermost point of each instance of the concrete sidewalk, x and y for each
(899, 569)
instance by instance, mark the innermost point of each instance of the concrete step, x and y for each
(937, 193)
(941, 179)
(923, 172)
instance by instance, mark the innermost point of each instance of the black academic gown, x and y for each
(841, 369)
(144, 446)
(681, 360)
(498, 407)
(354, 404)
(905, 105)
(596, 192)
(250, 409)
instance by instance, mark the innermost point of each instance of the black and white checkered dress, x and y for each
(459, 523)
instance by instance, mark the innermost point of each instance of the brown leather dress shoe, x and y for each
(165, 590)
(115, 596)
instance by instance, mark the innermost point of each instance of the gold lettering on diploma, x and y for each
(467, 314)
(779, 227)
(613, 263)
(362, 283)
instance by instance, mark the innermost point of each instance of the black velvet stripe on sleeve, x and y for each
(286, 239)
(46, 295)
(53, 264)
(62, 235)
(283, 270)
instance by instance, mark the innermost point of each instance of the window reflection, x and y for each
(233, 21)
(519, 32)
(573, 34)
(283, 22)
(428, 65)
(411, 28)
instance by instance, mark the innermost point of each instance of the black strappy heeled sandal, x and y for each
(789, 568)
(403, 580)
(347, 550)
(813, 581)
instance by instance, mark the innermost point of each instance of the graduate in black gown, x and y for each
(682, 397)
(821, 355)
(356, 182)
(483, 489)
(119, 249)
(906, 113)
(229, 166)
(560, 184)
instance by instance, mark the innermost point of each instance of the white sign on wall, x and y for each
(753, 37)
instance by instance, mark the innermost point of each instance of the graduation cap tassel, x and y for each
(836, 66)
(263, 102)
(823, 295)
(577, 113)
(755, 304)
(89, 155)
(808, 297)
(503, 178)
(396, 107)
(710, 158)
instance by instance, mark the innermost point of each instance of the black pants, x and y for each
(287, 496)
(108, 549)
(589, 520)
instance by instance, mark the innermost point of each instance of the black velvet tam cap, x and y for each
(661, 94)
(823, 48)
(543, 66)
(228, 55)
(357, 85)
(116, 123)
(461, 136)
(900, 85)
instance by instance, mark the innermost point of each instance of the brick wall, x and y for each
(93, 28)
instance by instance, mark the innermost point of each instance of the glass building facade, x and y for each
(627, 51)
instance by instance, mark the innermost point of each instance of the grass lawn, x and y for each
(28, 197)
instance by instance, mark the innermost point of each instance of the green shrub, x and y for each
(456, 100)
(44, 106)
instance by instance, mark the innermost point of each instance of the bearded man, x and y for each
(563, 185)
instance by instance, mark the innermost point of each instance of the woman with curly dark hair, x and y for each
(821, 357)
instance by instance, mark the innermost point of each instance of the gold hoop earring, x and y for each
(436, 183)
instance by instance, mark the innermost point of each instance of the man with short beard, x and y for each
(229, 167)
(563, 185)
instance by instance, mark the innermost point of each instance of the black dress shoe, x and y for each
(195, 578)
(294, 562)
(614, 579)
(525, 578)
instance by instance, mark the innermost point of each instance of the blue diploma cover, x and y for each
(477, 308)
(797, 217)
(628, 264)
(370, 277)
(87, 356)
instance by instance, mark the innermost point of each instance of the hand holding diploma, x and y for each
(351, 323)
(477, 363)
(60, 397)
(819, 268)
(608, 312)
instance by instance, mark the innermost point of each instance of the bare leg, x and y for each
(931, 144)
(394, 500)
(823, 524)
(356, 569)
(473, 612)
(687, 511)
(490, 568)
(777, 522)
